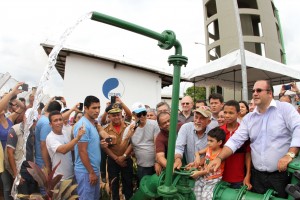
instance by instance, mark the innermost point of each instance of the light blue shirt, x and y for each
(188, 141)
(271, 134)
(91, 136)
(42, 130)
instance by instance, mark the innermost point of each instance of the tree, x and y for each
(196, 92)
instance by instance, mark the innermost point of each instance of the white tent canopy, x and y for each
(226, 71)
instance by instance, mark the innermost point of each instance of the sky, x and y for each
(26, 24)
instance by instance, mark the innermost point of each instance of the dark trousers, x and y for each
(114, 170)
(29, 186)
(262, 181)
(143, 171)
(103, 164)
(236, 185)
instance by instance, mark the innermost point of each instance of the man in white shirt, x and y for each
(59, 146)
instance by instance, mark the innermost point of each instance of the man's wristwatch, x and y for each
(125, 155)
(291, 154)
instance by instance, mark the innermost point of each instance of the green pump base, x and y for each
(152, 187)
(222, 191)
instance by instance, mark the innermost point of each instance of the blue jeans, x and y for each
(85, 190)
(114, 170)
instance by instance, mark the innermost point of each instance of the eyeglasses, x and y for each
(143, 113)
(259, 90)
(185, 103)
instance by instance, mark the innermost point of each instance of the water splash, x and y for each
(39, 93)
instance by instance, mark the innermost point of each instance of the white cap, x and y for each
(138, 107)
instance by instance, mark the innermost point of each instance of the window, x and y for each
(213, 31)
(211, 8)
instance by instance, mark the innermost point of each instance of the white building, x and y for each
(89, 74)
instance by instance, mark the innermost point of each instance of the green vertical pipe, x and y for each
(280, 35)
(173, 125)
(167, 40)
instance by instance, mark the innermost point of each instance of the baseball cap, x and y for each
(35, 114)
(115, 108)
(138, 107)
(204, 110)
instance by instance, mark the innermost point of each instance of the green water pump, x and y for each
(222, 191)
(153, 187)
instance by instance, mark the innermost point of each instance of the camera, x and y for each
(287, 87)
(24, 87)
(108, 140)
(112, 100)
(80, 106)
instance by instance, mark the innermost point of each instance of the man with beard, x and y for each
(192, 136)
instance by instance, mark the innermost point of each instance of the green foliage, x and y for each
(47, 180)
(196, 92)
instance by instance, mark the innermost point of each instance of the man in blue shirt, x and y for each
(87, 151)
(42, 129)
(274, 131)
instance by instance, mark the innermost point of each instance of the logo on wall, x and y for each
(113, 87)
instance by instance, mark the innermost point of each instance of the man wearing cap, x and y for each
(142, 138)
(192, 136)
(14, 154)
(119, 161)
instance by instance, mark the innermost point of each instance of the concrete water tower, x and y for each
(260, 27)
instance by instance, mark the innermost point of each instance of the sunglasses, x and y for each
(185, 103)
(143, 113)
(259, 90)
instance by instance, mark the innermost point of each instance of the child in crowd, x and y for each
(234, 171)
(205, 180)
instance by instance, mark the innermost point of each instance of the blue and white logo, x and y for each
(113, 87)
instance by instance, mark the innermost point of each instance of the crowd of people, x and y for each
(236, 142)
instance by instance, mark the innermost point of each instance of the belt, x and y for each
(266, 172)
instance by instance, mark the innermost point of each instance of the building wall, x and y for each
(87, 76)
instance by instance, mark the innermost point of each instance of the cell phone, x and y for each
(80, 106)
(298, 103)
(112, 100)
(137, 124)
(287, 87)
(24, 87)
(58, 98)
(108, 140)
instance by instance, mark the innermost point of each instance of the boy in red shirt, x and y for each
(234, 171)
